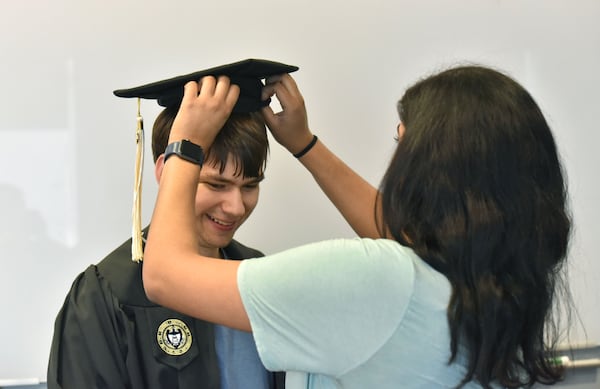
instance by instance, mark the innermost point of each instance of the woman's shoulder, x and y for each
(358, 254)
(377, 253)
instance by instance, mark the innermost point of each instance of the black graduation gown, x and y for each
(109, 335)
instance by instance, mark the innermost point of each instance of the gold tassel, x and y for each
(137, 251)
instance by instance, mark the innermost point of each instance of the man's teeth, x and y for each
(219, 221)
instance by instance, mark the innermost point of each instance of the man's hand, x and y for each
(205, 107)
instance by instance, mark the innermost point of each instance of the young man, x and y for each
(109, 335)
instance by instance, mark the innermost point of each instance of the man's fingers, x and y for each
(233, 93)
(221, 87)
(190, 90)
(216, 89)
(207, 86)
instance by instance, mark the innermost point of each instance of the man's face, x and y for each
(223, 202)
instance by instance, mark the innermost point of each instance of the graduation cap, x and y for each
(247, 74)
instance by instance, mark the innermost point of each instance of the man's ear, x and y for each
(401, 130)
(158, 167)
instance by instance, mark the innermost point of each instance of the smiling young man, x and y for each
(109, 335)
(228, 185)
(224, 202)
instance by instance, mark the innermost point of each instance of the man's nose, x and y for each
(233, 204)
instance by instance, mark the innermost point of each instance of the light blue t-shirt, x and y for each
(239, 364)
(351, 313)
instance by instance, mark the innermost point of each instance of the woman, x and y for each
(453, 280)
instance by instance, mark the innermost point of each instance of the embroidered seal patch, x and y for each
(174, 337)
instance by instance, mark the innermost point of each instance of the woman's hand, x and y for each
(290, 126)
(205, 107)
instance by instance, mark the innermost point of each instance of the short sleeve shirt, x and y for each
(351, 313)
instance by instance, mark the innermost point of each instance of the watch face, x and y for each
(193, 151)
(186, 150)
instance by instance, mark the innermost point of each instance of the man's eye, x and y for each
(215, 186)
(251, 186)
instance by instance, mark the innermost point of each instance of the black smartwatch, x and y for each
(187, 150)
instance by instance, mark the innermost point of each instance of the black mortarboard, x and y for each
(247, 74)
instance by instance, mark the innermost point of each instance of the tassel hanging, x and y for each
(137, 251)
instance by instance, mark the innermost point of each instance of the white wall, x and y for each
(68, 144)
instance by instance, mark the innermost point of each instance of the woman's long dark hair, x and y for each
(476, 188)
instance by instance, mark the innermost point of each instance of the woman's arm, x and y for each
(354, 197)
(174, 274)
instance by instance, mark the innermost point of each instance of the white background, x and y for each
(68, 146)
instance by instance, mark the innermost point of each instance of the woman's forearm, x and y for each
(353, 196)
